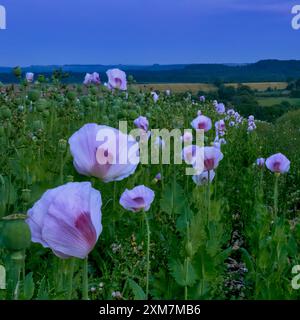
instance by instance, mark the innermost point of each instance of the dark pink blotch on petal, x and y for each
(201, 125)
(139, 201)
(84, 225)
(276, 166)
(209, 164)
(118, 82)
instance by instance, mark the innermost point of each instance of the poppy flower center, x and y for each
(140, 203)
(201, 125)
(276, 166)
(118, 82)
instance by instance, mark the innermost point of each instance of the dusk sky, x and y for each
(147, 31)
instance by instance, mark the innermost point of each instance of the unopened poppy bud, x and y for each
(189, 249)
(157, 178)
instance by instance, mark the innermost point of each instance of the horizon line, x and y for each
(147, 65)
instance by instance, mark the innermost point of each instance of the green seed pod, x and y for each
(79, 89)
(46, 113)
(41, 78)
(133, 114)
(93, 90)
(71, 95)
(38, 125)
(70, 178)
(86, 101)
(17, 71)
(115, 108)
(5, 113)
(26, 195)
(189, 249)
(33, 95)
(130, 79)
(41, 105)
(15, 233)
(105, 120)
(62, 145)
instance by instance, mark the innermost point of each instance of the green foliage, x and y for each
(192, 227)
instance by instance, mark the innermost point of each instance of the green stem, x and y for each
(187, 257)
(114, 196)
(85, 280)
(276, 195)
(16, 263)
(70, 278)
(62, 168)
(148, 254)
(261, 181)
(208, 198)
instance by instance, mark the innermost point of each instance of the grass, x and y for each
(268, 102)
(206, 87)
(262, 86)
(178, 87)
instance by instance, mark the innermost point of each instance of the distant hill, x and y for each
(261, 71)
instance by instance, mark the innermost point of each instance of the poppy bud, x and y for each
(189, 249)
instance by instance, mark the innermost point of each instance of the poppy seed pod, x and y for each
(71, 95)
(42, 105)
(37, 125)
(33, 95)
(26, 195)
(70, 178)
(62, 145)
(15, 235)
(5, 113)
(17, 72)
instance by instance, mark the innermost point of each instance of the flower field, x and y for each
(78, 223)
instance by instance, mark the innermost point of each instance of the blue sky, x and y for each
(147, 31)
